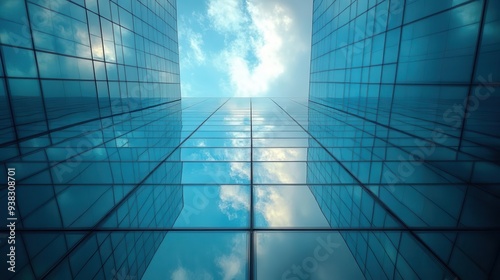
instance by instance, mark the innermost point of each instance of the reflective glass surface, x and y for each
(402, 96)
(388, 171)
(224, 207)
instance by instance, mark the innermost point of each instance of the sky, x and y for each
(238, 48)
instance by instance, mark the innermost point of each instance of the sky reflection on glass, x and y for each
(216, 173)
(93, 123)
(215, 206)
(280, 172)
(304, 255)
(215, 154)
(200, 255)
(200, 142)
(286, 206)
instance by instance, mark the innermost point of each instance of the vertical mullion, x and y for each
(251, 235)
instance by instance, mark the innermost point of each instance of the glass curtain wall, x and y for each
(387, 171)
(403, 96)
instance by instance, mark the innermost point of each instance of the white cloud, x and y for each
(201, 143)
(288, 206)
(233, 198)
(240, 171)
(275, 208)
(261, 44)
(179, 274)
(281, 172)
(194, 54)
(245, 48)
(280, 154)
(226, 15)
(186, 89)
(280, 207)
(196, 42)
(232, 264)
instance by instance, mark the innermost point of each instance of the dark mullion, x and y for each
(252, 225)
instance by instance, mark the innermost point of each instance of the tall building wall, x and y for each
(372, 177)
(70, 62)
(83, 209)
(90, 107)
(404, 96)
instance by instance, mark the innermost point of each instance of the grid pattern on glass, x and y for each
(65, 63)
(416, 68)
(113, 185)
(401, 95)
(165, 184)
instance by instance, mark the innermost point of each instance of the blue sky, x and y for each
(253, 48)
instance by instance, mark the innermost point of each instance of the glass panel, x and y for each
(27, 106)
(148, 206)
(235, 142)
(279, 154)
(202, 173)
(272, 142)
(13, 23)
(7, 132)
(221, 134)
(19, 62)
(60, 28)
(201, 255)
(284, 134)
(215, 154)
(12, 10)
(489, 49)
(388, 169)
(443, 60)
(304, 255)
(215, 206)
(287, 206)
(280, 172)
(63, 67)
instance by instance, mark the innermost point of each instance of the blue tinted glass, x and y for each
(215, 154)
(201, 254)
(388, 170)
(215, 206)
(316, 255)
(64, 32)
(74, 96)
(490, 46)
(63, 67)
(286, 206)
(26, 102)
(13, 33)
(12, 10)
(19, 62)
(420, 8)
(6, 124)
(443, 60)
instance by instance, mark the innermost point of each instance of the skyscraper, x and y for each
(89, 97)
(404, 95)
(387, 171)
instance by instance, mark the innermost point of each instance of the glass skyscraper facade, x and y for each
(89, 99)
(407, 94)
(387, 171)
